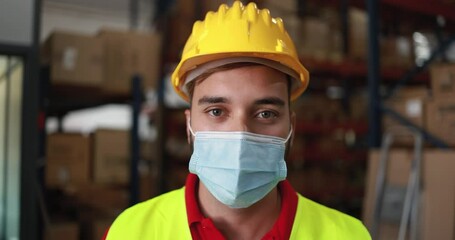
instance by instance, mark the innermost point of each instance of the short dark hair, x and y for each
(191, 85)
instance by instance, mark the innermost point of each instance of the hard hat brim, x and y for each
(281, 62)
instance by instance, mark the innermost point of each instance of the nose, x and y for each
(239, 123)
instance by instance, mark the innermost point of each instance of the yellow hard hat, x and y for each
(240, 33)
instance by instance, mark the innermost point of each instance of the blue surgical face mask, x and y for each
(238, 168)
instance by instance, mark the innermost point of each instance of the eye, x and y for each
(215, 112)
(267, 114)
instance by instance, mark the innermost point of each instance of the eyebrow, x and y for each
(270, 101)
(264, 101)
(212, 100)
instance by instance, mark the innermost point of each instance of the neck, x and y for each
(241, 223)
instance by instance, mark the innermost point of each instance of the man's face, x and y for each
(252, 99)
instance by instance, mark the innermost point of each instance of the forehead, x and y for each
(250, 81)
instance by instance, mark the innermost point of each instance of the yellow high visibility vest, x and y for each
(164, 217)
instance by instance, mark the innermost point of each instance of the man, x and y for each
(240, 71)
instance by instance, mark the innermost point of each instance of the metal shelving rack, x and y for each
(377, 109)
(60, 103)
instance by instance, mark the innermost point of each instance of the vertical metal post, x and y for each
(374, 110)
(134, 14)
(162, 165)
(344, 14)
(134, 141)
(440, 24)
(29, 151)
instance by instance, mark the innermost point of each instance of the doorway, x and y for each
(11, 83)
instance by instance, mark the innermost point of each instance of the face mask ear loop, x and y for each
(289, 135)
(191, 130)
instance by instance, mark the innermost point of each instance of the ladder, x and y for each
(410, 212)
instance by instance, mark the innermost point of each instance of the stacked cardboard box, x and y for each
(358, 106)
(107, 61)
(314, 40)
(437, 206)
(102, 158)
(396, 51)
(68, 159)
(90, 175)
(111, 162)
(74, 59)
(319, 108)
(441, 110)
(409, 102)
(129, 53)
(358, 34)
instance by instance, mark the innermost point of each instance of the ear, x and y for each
(189, 137)
(293, 122)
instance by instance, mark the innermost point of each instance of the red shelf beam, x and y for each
(433, 7)
(349, 68)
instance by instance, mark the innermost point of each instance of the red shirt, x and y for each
(203, 228)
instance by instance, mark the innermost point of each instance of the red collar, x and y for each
(203, 228)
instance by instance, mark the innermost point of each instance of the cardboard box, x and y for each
(74, 59)
(111, 161)
(358, 34)
(128, 54)
(413, 92)
(67, 231)
(331, 15)
(443, 81)
(410, 103)
(396, 51)
(314, 40)
(111, 157)
(411, 109)
(441, 119)
(437, 209)
(104, 198)
(439, 203)
(68, 158)
(358, 106)
(319, 108)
